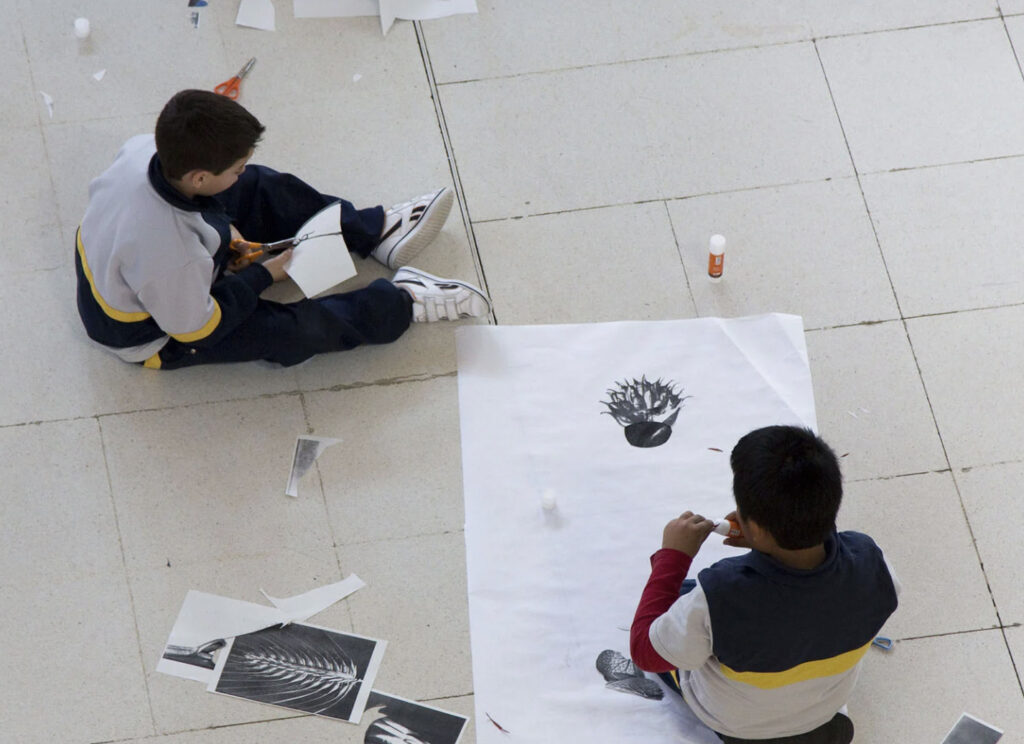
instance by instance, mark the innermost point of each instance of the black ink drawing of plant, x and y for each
(646, 409)
(299, 667)
(623, 675)
(407, 722)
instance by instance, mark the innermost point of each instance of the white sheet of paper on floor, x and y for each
(256, 14)
(307, 449)
(304, 606)
(320, 263)
(334, 8)
(207, 618)
(535, 415)
(48, 100)
(204, 619)
(971, 730)
(301, 667)
(98, 75)
(421, 10)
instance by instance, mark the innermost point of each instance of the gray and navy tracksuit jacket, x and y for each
(150, 262)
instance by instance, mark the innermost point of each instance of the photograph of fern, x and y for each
(301, 667)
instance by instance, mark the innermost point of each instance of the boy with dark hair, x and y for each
(768, 645)
(158, 283)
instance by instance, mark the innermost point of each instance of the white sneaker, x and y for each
(410, 226)
(434, 298)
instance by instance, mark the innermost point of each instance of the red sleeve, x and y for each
(668, 569)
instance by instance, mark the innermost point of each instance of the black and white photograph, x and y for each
(307, 449)
(395, 720)
(971, 730)
(301, 667)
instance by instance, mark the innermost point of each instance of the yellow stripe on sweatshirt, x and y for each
(801, 672)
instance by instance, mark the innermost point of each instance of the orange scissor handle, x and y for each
(246, 249)
(229, 88)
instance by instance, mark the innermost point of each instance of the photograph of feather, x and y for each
(400, 721)
(301, 667)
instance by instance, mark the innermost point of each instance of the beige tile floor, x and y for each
(865, 159)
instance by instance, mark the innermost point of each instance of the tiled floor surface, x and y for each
(865, 159)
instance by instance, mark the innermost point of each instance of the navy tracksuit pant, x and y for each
(266, 206)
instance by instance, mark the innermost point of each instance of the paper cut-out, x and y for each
(388, 10)
(321, 261)
(408, 722)
(307, 449)
(256, 14)
(647, 410)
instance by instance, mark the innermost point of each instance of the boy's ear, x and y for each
(196, 178)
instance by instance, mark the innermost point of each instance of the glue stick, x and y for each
(716, 257)
(547, 500)
(728, 527)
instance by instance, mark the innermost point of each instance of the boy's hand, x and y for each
(687, 533)
(736, 542)
(276, 265)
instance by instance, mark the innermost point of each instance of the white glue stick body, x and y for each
(716, 257)
(728, 528)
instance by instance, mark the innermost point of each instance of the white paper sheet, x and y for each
(547, 595)
(320, 263)
(307, 450)
(304, 606)
(208, 617)
(334, 8)
(421, 10)
(256, 14)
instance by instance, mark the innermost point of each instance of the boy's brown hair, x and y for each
(201, 130)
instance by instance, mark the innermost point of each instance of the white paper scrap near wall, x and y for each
(256, 14)
(629, 424)
(334, 8)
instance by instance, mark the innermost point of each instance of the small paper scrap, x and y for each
(48, 100)
(356, 78)
(301, 607)
(307, 449)
(256, 14)
(97, 76)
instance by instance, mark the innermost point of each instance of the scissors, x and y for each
(248, 250)
(230, 87)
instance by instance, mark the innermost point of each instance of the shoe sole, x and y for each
(441, 280)
(424, 231)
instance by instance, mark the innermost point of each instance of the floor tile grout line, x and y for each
(1009, 38)
(327, 512)
(453, 166)
(127, 573)
(1000, 627)
(917, 363)
(721, 50)
(679, 252)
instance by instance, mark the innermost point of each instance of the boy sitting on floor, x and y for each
(768, 644)
(153, 251)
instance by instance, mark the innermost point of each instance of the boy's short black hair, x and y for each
(787, 480)
(201, 130)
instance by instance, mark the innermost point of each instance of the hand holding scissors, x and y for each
(231, 87)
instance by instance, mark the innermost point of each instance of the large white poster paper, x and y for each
(549, 590)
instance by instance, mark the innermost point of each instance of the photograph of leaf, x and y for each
(401, 721)
(301, 667)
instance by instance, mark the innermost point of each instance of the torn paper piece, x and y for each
(321, 261)
(304, 606)
(48, 100)
(307, 449)
(204, 624)
(301, 667)
(356, 78)
(97, 76)
(335, 8)
(971, 730)
(421, 10)
(256, 14)
(396, 719)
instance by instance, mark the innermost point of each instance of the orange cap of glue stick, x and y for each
(728, 527)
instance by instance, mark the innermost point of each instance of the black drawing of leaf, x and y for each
(614, 666)
(286, 668)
